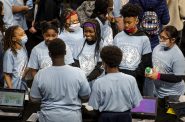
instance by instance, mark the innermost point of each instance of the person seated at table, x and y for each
(59, 93)
(116, 93)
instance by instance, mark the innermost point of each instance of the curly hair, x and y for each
(131, 10)
(56, 48)
(111, 55)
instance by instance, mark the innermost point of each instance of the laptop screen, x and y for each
(148, 106)
(11, 98)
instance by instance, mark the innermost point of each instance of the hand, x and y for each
(152, 76)
(32, 30)
(25, 8)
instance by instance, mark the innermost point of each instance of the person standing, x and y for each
(59, 93)
(115, 93)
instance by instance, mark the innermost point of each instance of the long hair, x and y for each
(8, 39)
(98, 36)
(2, 25)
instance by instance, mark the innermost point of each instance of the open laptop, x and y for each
(146, 110)
(11, 102)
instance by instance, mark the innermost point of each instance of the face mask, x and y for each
(163, 44)
(24, 39)
(74, 27)
(130, 30)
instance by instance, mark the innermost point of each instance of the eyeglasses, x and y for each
(163, 38)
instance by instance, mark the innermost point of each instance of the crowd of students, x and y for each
(99, 58)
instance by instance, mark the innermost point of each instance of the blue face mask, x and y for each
(24, 39)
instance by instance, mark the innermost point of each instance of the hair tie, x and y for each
(88, 24)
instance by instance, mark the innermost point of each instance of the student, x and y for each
(99, 13)
(59, 93)
(168, 69)
(8, 14)
(169, 65)
(39, 57)
(134, 44)
(19, 8)
(88, 56)
(15, 58)
(116, 93)
(161, 9)
(71, 32)
(2, 30)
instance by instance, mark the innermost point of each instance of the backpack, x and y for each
(150, 22)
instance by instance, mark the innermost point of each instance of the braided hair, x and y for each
(97, 30)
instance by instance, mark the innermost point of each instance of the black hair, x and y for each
(101, 7)
(172, 32)
(8, 39)
(2, 25)
(111, 55)
(130, 10)
(57, 48)
(54, 24)
(98, 36)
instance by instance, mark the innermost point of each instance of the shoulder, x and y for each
(120, 35)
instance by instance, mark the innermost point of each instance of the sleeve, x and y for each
(136, 95)
(107, 36)
(33, 61)
(84, 86)
(165, 18)
(8, 62)
(96, 72)
(117, 7)
(146, 46)
(29, 3)
(182, 8)
(35, 91)
(94, 99)
(171, 78)
(68, 57)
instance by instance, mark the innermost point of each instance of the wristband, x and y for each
(158, 76)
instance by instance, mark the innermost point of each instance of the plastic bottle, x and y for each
(148, 70)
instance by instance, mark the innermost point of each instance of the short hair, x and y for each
(57, 48)
(131, 10)
(111, 55)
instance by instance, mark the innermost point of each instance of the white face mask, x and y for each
(163, 44)
(74, 27)
(24, 39)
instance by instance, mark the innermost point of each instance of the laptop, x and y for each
(12, 102)
(146, 110)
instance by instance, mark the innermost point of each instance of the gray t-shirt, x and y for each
(115, 92)
(15, 65)
(40, 58)
(59, 93)
(133, 47)
(72, 38)
(171, 61)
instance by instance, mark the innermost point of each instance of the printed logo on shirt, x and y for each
(87, 63)
(45, 62)
(130, 56)
(160, 66)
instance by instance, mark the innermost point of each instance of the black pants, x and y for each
(115, 117)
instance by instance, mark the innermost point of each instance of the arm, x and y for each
(182, 8)
(17, 9)
(96, 72)
(33, 72)
(146, 61)
(8, 80)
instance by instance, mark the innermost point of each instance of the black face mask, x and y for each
(90, 42)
